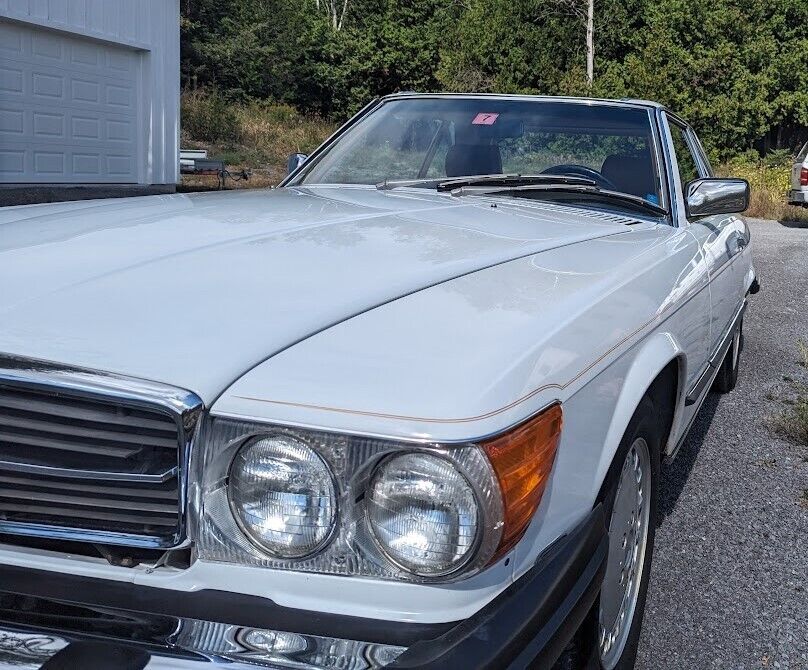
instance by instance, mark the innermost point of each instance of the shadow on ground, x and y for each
(676, 472)
(794, 224)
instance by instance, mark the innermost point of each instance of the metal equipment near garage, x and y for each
(196, 162)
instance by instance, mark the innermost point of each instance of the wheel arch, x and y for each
(659, 365)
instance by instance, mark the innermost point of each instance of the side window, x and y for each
(688, 167)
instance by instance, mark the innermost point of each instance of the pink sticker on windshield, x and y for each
(484, 119)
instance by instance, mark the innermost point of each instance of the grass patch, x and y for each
(770, 182)
(257, 135)
(793, 421)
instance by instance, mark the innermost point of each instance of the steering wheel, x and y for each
(574, 170)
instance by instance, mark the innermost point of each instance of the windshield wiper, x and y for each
(388, 184)
(517, 184)
(451, 183)
(512, 180)
(587, 189)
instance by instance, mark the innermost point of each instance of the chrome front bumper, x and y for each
(195, 644)
(52, 621)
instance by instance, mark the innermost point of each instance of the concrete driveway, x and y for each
(729, 582)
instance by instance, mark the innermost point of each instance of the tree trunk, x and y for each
(590, 42)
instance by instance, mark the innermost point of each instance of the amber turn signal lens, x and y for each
(522, 459)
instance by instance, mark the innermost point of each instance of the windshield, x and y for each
(436, 138)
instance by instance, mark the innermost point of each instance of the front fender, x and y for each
(651, 358)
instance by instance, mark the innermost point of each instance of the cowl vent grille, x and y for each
(92, 457)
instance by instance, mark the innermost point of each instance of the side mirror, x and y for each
(295, 161)
(716, 196)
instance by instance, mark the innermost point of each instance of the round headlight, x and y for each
(423, 514)
(283, 496)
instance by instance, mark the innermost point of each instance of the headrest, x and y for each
(464, 160)
(630, 173)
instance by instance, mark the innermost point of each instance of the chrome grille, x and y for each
(93, 457)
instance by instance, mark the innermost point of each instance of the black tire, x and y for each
(727, 376)
(584, 652)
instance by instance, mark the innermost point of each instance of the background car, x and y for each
(798, 195)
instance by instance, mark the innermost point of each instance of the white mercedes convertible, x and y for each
(406, 410)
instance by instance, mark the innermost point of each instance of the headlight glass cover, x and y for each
(283, 496)
(231, 453)
(423, 513)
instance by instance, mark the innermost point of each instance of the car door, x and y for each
(721, 237)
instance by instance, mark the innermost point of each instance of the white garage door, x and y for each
(68, 109)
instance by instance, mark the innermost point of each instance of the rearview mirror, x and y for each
(295, 161)
(705, 197)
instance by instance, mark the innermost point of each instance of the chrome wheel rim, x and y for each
(628, 537)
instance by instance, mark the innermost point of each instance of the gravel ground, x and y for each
(729, 581)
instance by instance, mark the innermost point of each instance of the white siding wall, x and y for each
(149, 28)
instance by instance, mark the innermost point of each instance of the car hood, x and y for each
(194, 290)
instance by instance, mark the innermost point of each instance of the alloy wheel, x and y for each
(628, 537)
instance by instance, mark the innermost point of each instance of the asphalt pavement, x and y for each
(729, 580)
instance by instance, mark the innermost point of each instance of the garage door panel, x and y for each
(29, 122)
(11, 81)
(69, 105)
(10, 40)
(58, 163)
(119, 62)
(47, 85)
(75, 90)
(48, 125)
(49, 163)
(47, 46)
(12, 123)
(12, 163)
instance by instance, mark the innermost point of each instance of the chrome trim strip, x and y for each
(46, 471)
(673, 454)
(670, 173)
(613, 102)
(46, 375)
(181, 405)
(700, 384)
(717, 357)
(83, 535)
(660, 160)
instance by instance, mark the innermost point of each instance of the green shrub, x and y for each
(208, 117)
(779, 158)
(258, 135)
(770, 181)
